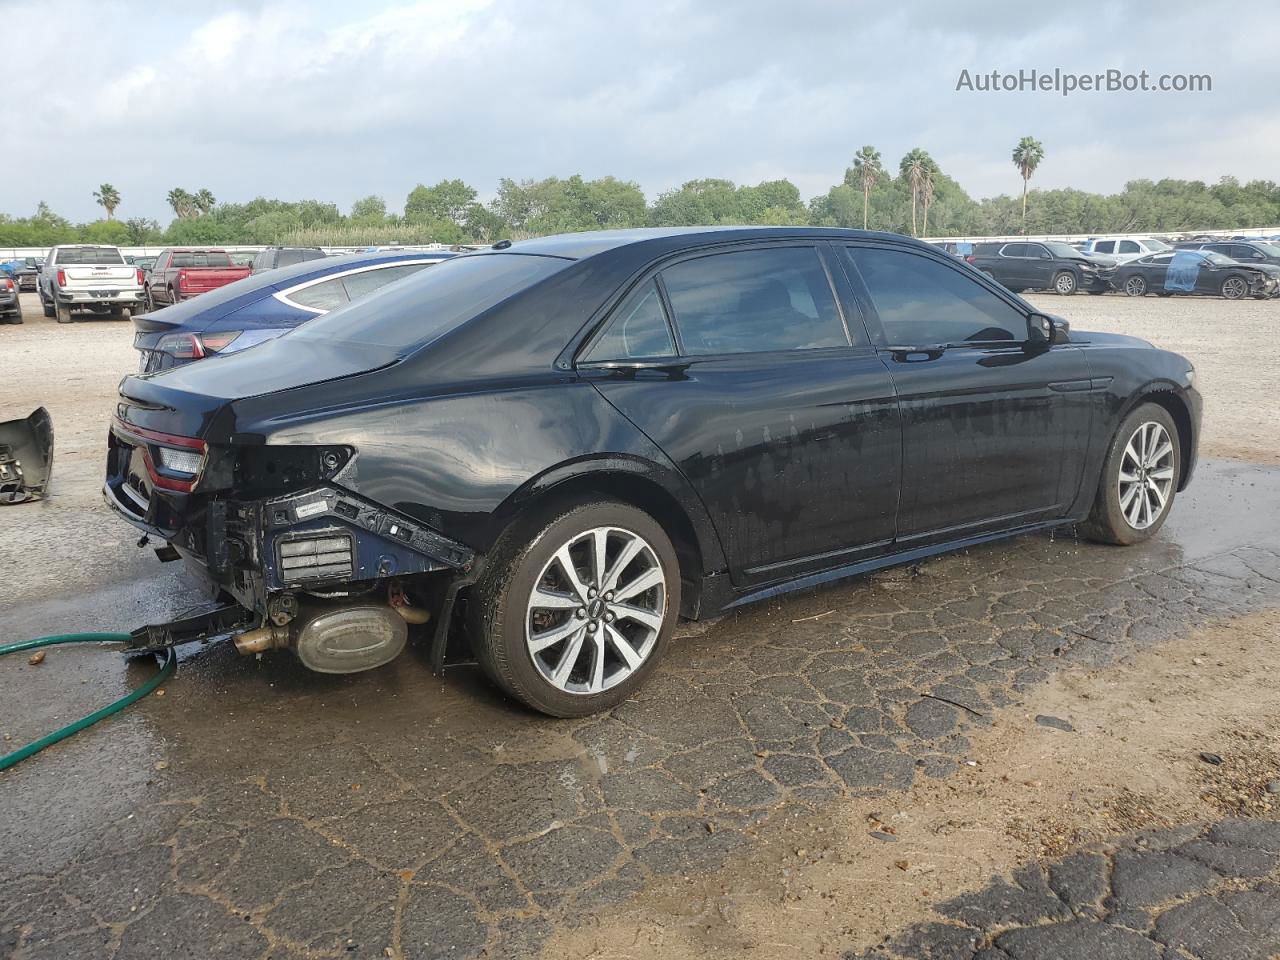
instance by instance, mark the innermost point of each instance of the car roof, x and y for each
(578, 246)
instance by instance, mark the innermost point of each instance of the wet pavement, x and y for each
(258, 809)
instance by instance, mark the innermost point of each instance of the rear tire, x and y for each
(45, 306)
(63, 312)
(1139, 479)
(622, 637)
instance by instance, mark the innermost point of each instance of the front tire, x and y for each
(1135, 286)
(1234, 288)
(1065, 283)
(1139, 479)
(46, 306)
(577, 607)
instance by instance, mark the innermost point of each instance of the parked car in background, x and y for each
(25, 272)
(243, 258)
(10, 302)
(1245, 251)
(1049, 265)
(1196, 272)
(144, 264)
(584, 437)
(1125, 248)
(88, 276)
(265, 305)
(273, 257)
(181, 273)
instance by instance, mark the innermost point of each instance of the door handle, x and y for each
(930, 351)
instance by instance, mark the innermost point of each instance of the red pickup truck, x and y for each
(181, 273)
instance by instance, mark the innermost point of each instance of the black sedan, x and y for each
(554, 449)
(1196, 272)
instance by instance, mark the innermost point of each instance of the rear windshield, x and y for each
(418, 309)
(90, 256)
(202, 258)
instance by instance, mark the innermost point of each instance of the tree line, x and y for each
(916, 198)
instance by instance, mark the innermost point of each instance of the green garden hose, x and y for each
(166, 670)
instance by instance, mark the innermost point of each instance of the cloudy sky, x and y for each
(335, 100)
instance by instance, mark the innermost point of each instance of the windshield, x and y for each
(1270, 249)
(418, 309)
(1153, 244)
(90, 256)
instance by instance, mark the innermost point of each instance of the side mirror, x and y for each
(1044, 330)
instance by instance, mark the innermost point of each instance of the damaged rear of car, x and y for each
(263, 471)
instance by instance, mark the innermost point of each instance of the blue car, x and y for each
(266, 305)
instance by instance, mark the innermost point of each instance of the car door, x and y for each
(1013, 270)
(1041, 267)
(745, 368)
(994, 430)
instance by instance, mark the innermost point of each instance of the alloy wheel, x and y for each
(1233, 288)
(1146, 475)
(1135, 286)
(1065, 284)
(596, 610)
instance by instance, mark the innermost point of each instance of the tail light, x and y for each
(62, 278)
(182, 279)
(172, 462)
(8, 283)
(139, 276)
(194, 346)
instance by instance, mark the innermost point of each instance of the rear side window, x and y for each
(754, 301)
(1129, 246)
(405, 316)
(90, 257)
(359, 284)
(1014, 250)
(637, 329)
(1104, 246)
(923, 302)
(321, 296)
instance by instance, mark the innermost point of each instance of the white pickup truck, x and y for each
(78, 276)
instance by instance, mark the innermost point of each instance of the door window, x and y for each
(1104, 246)
(922, 301)
(367, 281)
(753, 301)
(638, 329)
(1128, 246)
(328, 295)
(1014, 250)
(1036, 252)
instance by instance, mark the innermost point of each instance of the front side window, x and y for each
(367, 281)
(1104, 246)
(753, 301)
(322, 296)
(1128, 246)
(637, 329)
(921, 301)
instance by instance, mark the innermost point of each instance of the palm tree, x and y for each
(867, 169)
(108, 198)
(1026, 157)
(203, 200)
(926, 195)
(915, 168)
(182, 202)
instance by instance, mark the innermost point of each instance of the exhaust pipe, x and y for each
(261, 640)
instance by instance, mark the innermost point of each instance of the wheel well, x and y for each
(646, 495)
(1181, 419)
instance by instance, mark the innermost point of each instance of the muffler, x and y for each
(334, 637)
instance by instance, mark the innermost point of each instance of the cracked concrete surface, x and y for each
(260, 810)
(1205, 891)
